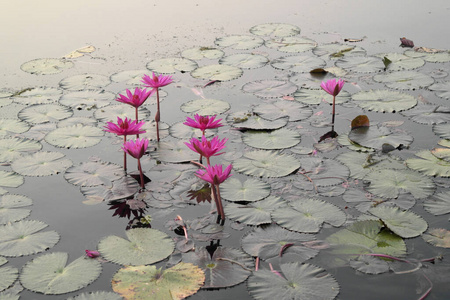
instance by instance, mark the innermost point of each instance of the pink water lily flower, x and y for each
(203, 122)
(207, 148)
(215, 174)
(92, 253)
(137, 98)
(125, 127)
(136, 148)
(156, 81)
(332, 86)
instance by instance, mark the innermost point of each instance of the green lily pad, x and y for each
(438, 237)
(202, 52)
(250, 190)
(25, 238)
(46, 66)
(43, 113)
(271, 140)
(439, 204)
(442, 153)
(88, 99)
(254, 213)
(11, 149)
(369, 265)
(172, 65)
(10, 179)
(39, 95)
(8, 276)
(11, 208)
(41, 164)
(361, 64)
(205, 107)
(12, 293)
(315, 97)
(49, 274)
(296, 281)
(429, 164)
(77, 120)
(308, 215)
(144, 246)
(217, 72)
(150, 130)
(120, 189)
(401, 62)
(181, 131)
(75, 137)
(148, 282)
(428, 114)
(384, 100)
(246, 120)
(12, 126)
(174, 152)
(441, 89)
(239, 42)
(379, 137)
(130, 77)
(262, 163)
(343, 140)
(275, 30)
(404, 223)
(99, 295)
(292, 44)
(404, 80)
(270, 88)
(279, 109)
(84, 82)
(433, 57)
(224, 268)
(111, 112)
(322, 171)
(442, 130)
(93, 173)
(338, 51)
(298, 63)
(390, 183)
(245, 61)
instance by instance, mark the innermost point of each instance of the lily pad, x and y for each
(298, 63)
(437, 205)
(41, 164)
(432, 56)
(239, 42)
(43, 113)
(121, 189)
(384, 100)
(343, 140)
(428, 114)
(93, 173)
(77, 120)
(442, 130)
(308, 215)
(379, 137)
(205, 107)
(369, 265)
(7, 277)
(12, 126)
(49, 274)
(275, 30)
(224, 268)
(429, 164)
(404, 80)
(270, 88)
(11, 149)
(316, 97)
(39, 95)
(245, 61)
(46, 66)
(361, 64)
(279, 109)
(338, 51)
(401, 62)
(25, 238)
(174, 152)
(294, 281)
(150, 130)
(84, 82)
(323, 171)
(130, 77)
(181, 131)
(292, 44)
(217, 72)
(262, 163)
(202, 52)
(148, 282)
(271, 140)
(111, 112)
(75, 137)
(99, 295)
(172, 65)
(250, 190)
(10, 179)
(438, 237)
(11, 208)
(248, 120)
(441, 89)
(87, 99)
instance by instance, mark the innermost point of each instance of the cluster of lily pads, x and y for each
(361, 189)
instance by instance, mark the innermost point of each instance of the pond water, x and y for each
(128, 37)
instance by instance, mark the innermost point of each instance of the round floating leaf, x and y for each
(338, 51)
(121, 189)
(46, 66)
(174, 152)
(172, 65)
(217, 72)
(77, 120)
(308, 215)
(379, 137)
(182, 131)
(298, 281)
(248, 120)
(404, 223)
(250, 190)
(11, 149)
(343, 140)
(41, 164)
(49, 274)
(93, 173)
(361, 64)
(315, 97)
(273, 241)
(429, 164)
(42, 113)
(88, 99)
(245, 61)
(10, 179)
(323, 171)
(25, 238)
(239, 42)
(442, 130)
(442, 153)
(202, 52)
(270, 88)
(401, 62)
(40, 95)
(224, 268)
(11, 208)
(99, 295)
(150, 128)
(428, 114)
(111, 112)
(130, 77)
(205, 107)
(271, 140)
(75, 137)
(438, 205)
(438, 237)
(12, 126)
(391, 183)
(262, 163)
(369, 265)
(292, 44)
(384, 100)
(254, 213)
(7, 277)
(144, 246)
(279, 109)
(148, 282)
(441, 89)
(404, 80)
(275, 30)
(298, 63)
(84, 82)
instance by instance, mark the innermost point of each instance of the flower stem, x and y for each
(219, 201)
(216, 197)
(124, 155)
(140, 173)
(158, 115)
(334, 107)
(137, 119)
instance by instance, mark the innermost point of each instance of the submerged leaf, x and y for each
(99, 295)
(438, 237)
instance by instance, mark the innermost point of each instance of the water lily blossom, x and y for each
(215, 174)
(203, 122)
(92, 253)
(135, 99)
(332, 86)
(207, 148)
(137, 149)
(125, 127)
(156, 81)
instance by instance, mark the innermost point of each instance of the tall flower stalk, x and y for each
(137, 149)
(332, 87)
(135, 99)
